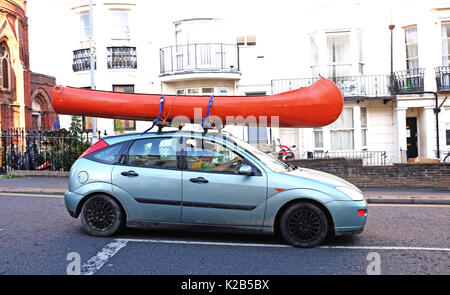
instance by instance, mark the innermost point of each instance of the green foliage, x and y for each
(11, 176)
(76, 126)
(118, 126)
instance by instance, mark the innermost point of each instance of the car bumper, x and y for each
(346, 218)
(72, 200)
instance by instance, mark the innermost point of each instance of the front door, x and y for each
(150, 178)
(411, 137)
(213, 191)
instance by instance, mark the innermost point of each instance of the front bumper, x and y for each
(346, 218)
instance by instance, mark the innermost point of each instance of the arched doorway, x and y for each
(42, 114)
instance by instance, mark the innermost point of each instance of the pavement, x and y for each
(57, 186)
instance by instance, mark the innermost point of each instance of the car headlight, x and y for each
(351, 193)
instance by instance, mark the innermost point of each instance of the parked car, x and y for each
(207, 181)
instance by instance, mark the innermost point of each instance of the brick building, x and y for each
(25, 97)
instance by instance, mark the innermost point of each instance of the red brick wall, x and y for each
(409, 175)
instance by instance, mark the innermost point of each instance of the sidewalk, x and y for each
(58, 186)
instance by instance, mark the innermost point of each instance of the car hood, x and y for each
(323, 177)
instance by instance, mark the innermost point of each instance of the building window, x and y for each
(446, 44)
(342, 131)
(257, 134)
(246, 40)
(120, 25)
(363, 127)
(4, 67)
(84, 30)
(359, 37)
(318, 137)
(412, 52)
(124, 125)
(447, 131)
(315, 62)
(203, 91)
(338, 47)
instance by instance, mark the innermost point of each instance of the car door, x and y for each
(149, 174)
(220, 196)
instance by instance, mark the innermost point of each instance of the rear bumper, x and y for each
(72, 200)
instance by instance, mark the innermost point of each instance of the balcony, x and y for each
(215, 58)
(122, 57)
(442, 78)
(409, 81)
(82, 60)
(352, 87)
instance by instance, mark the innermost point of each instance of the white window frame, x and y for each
(408, 58)
(445, 42)
(114, 32)
(343, 129)
(217, 90)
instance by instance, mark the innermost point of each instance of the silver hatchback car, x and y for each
(207, 181)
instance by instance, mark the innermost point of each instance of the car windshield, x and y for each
(267, 159)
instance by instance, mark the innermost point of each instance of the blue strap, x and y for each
(209, 109)
(161, 102)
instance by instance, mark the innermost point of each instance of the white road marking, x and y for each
(281, 245)
(407, 205)
(30, 195)
(96, 262)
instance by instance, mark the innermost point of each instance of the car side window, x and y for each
(204, 155)
(108, 154)
(153, 153)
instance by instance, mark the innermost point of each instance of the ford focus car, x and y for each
(207, 181)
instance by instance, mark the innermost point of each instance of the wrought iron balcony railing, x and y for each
(202, 57)
(409, 81)
(350, 86)
(123, 57)
(81, 60)
(442, 78)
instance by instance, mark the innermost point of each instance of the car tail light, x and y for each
(95, 147)
(361, 212)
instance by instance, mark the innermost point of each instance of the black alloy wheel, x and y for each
(101, 216)
(304, 225)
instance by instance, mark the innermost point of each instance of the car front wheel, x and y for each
(304, 225)
(101, 216)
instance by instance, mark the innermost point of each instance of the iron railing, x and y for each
(23, 149)
(350, 86)
(409, 81)
(201, 57)
(82, 60)
(123, 57)
(442, 78)
(369, 158)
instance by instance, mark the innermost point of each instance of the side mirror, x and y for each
(246, 170)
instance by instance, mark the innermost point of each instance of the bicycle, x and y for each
(447, 157)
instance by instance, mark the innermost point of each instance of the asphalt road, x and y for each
(37, 235)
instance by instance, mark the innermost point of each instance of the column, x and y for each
(400, 128)
(430, 132)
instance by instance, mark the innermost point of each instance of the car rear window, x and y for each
(108, 155)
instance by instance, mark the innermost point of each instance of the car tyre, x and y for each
(303, 225)
(101, 216)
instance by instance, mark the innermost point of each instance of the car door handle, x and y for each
(198, 180)
(129, 173)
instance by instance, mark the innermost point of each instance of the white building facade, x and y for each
(389, 115)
